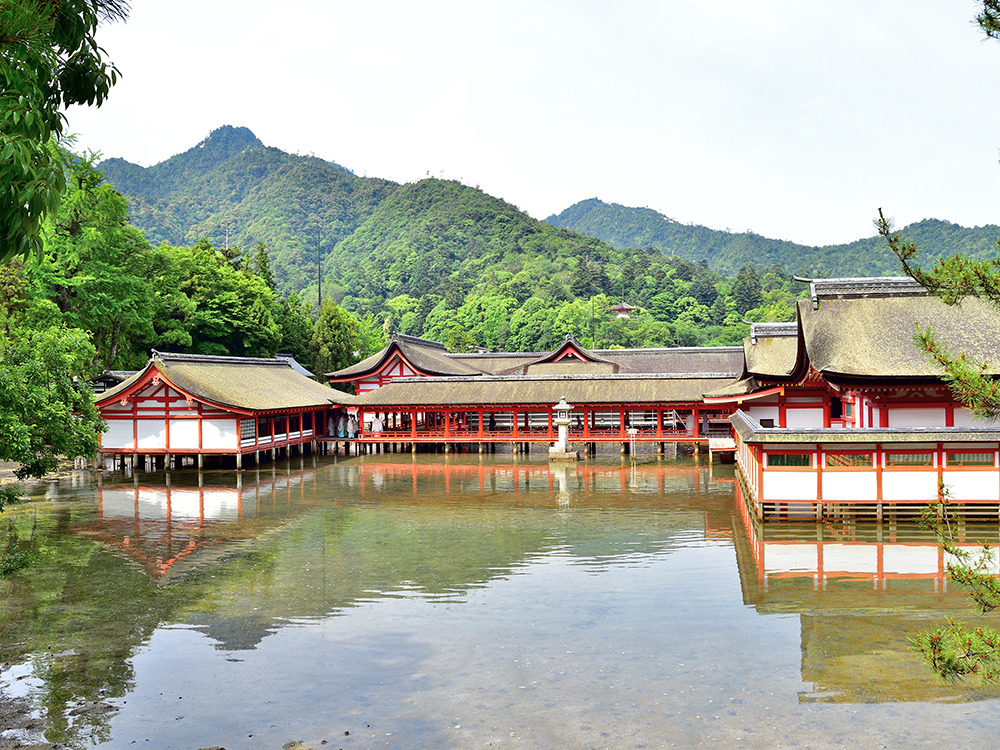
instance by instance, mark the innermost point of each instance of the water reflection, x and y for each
(862, 591)
(407, 589)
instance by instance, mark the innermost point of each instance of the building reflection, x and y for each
(862, 591)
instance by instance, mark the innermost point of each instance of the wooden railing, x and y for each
(535, 435)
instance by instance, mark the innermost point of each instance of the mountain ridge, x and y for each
(235, 191)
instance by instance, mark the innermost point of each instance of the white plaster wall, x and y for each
(904, 486)
(119, 434)
(850, 558)
(764, 412)
(152, 433)
(965, 418)
(220, 433)
(973, 485)
(785, 558)
(183, 434)
(804, 417)
(849, 486)
(789, 485)
(367, 385)
(918, 560)
(922, 417)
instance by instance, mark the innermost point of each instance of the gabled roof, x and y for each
(244, 383)
(568, 358)
(427, 357)
(290, 359)
(773, 352)
(852, 335)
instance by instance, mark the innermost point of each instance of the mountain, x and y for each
(443, 237)
(380, 239)
(232, 189)
(727, 252)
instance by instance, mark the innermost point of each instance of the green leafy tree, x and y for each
(460, 340)
(335, 339)
(295, 321)
(262, 266)
(46, 408)
(48, 60)
(373, 335)
(93, 268)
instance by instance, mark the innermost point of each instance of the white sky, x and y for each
(797, 119)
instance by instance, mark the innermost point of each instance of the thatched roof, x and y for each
(543, 390)
(251, 383)
(772, 357)
(857, 338)
(429, 357)
(750, 431)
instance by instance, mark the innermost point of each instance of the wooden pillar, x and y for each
(239, 460)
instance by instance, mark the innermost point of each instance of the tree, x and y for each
(93, 268)
(746, 291)
(335, 339)
(460, 341)
(48, 60)
(46, 408)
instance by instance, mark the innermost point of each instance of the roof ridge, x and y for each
(217, 359)
(862, 286)
(589, 376)
(408, 339)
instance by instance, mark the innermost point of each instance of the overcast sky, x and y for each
(797, 119)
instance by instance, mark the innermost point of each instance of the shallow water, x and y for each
(433, 602)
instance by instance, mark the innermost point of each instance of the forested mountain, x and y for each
(727, 252)
(433, 258)
(233, 182)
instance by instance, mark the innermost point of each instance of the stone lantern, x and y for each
(561, 451)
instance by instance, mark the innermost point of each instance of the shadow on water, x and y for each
(357, 585)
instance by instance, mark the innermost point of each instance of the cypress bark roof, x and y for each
(849, 338)
(429, 357)
(544, 390)
(772, 357)
(250, 383)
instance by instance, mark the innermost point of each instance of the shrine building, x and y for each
(184, 407)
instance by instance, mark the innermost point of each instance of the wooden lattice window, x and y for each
(789, 459)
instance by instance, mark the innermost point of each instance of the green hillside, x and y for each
(442, 237)
(231, 181)
(727, 252)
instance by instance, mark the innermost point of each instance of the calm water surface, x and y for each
(434, 602)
